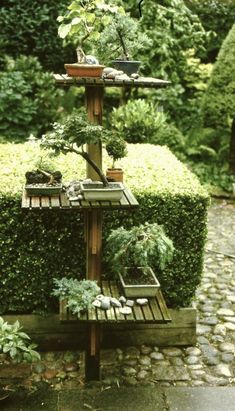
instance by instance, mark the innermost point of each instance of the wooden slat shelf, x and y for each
(65, 80)
(155, 311)
(62, 202)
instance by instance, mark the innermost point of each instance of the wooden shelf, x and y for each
(65, 80)
(61, 202)
(155, 311)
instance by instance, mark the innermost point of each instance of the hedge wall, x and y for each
(35, 247)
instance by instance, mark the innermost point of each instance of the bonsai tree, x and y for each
(141, 246)
(78, 294)
(116, 149)
(121, 38)
(73, 134)
(43, 171)
(84, 21)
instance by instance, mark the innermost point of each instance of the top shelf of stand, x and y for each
(65, 80)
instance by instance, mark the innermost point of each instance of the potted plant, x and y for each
(120, 41)
(43, 179)
(77, 295)
(71, 136)
(131, 253)
(83, 23)
(116, 149)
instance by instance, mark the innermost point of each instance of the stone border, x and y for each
(50, 334)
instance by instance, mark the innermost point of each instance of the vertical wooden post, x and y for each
(93, 230)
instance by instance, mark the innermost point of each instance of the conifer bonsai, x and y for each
(141, 246)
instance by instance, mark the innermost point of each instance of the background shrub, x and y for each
(138, 120)
(29, 27)
(36, 247)
(219, 100)
(217, 16)
(29, 98)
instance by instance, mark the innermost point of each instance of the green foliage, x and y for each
(15, 343)
(175, 32)
(74, 132)
(33, 252)
(79, 294)
(170, 136)
(122, 39)
(218, 105)
(216, 16)
(29, 99)
(140, 246)
(84, 20)
(29, 27)
(138, 120)
(116, 149)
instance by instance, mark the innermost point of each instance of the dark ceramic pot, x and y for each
(128, 66)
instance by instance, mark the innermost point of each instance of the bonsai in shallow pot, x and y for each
(130, 254)
(82, 24)
(116, 149)
(43, 179)
(71, 136)
(120, 41)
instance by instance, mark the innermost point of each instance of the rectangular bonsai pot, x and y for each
(43, 189)
(96, 191)
(140, 290)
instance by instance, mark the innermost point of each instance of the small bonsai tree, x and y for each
(15, 343)
(121, 38)
(73, 134)
(85, 20)
(78, 294)
(116, 149)
(141, 246)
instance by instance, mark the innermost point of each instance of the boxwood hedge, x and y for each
(35, 247)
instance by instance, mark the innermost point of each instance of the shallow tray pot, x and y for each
(140, 290)
(84, 70)
(42, 189)
(97, 191)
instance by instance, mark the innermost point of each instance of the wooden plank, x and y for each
(130, 197)
(35, 202)
(153, 302)
(45, 203)
(162, 305)
(64, 201)
(115, 293)
(124, 202)
(107, 291)
(138, 313)
(25, 203)
(147, 313)
(92, 314)
(55, 201)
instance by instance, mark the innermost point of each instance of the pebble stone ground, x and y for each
(209, 363)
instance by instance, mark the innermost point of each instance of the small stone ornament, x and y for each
(105, 303)
(126, 310)
(96, 303)
(142, 301)
(115, 303)
(100, 297)
(91, 59)
(130, 303)
(122, 299)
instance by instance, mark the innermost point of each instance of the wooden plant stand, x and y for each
(156, 310)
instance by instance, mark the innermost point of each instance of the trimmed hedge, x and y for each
(35, 247)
